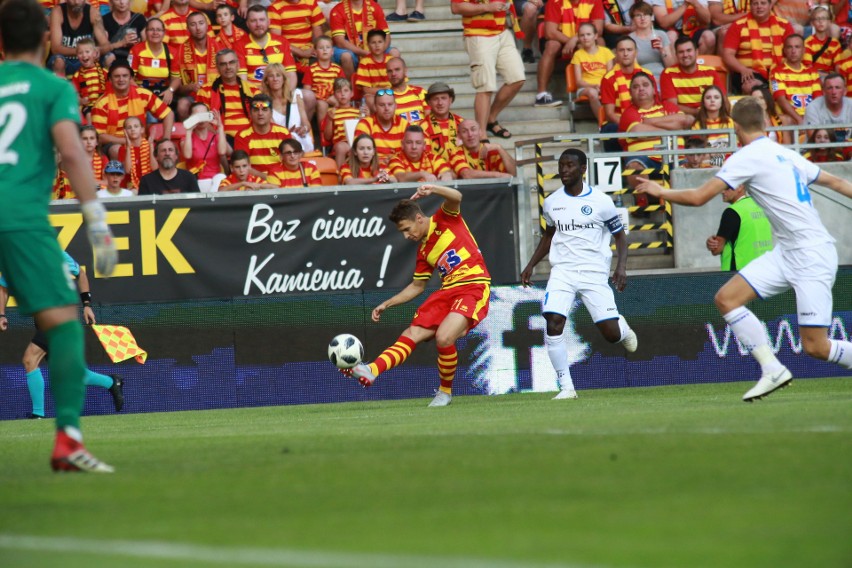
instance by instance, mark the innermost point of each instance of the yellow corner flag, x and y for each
(119, 343)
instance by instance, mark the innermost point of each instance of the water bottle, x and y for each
(363, 107)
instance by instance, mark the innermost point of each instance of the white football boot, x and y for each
(441, 399)
(769, 383)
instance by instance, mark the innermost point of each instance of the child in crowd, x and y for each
(821, 155)
(204, 147)
(90, 80)
(230, 35)
(363, 165)
(241, 178)
(321, 75)
(89, 138)
(821, 50)
(714, 114)
(696, 161)
(589, 64)
(293, 172)
(334, 130)
(114, 174)
(372, 74)
(137, 154)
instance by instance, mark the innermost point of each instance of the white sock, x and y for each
(558, 353)
(623, 328)
(840, 353)
(751, 334)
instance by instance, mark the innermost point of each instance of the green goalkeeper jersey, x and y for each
(32, 101)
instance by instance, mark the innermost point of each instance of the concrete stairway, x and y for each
(434, 51)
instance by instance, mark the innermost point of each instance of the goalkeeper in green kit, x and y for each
(37, 112)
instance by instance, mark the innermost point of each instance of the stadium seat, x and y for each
(716, 63)
(156, 131)
(573, 99)
(327, 168)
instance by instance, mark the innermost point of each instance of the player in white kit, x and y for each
(804, 257)
(580, 220)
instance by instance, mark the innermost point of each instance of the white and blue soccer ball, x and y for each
(345, 351)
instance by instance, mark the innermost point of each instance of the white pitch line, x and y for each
(254, 556)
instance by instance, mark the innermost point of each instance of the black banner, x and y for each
(223, 246)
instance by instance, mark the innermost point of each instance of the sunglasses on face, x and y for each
(381, 92)
(261, 106)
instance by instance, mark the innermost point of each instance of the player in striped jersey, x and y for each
(410, 99)
(794, 85)
(446, 245)
(683, 84)
(580, 221)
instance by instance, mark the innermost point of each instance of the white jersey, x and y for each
(778, 180)
(583, 225)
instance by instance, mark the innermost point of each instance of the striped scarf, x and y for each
(368, 22)
(140, 162)
(98, 164)
(135, 106)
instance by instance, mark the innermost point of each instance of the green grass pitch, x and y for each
(683, 476)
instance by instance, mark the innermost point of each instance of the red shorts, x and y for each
(469, 300)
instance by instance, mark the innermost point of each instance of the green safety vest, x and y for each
(754, 238)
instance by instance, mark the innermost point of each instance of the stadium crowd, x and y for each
(235, 95)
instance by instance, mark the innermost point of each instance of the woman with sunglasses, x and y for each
(363, 164)
(292, 171)
(288, 105)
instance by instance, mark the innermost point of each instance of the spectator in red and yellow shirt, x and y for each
(263, 138)
(442, 125)
(241, 178)
(475, 159)
(174, 20)
(90, 78)
(124, 99)
(410, 99)
(363, 165)
(261, 47)
(821, 50)
(196, 60)
(350, 20)
(683, 84)
(615, 88)
(794, 85)
(154, 65)
(753, 45)
(292, 171)
(229, 94)
(372, 72)
(230, 36)
(490, 46)
(320, 75)
(415, 162)
(300, 22)
(386, 128)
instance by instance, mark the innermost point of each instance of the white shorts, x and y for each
(810, 272)
(491, 55)
(593, 288)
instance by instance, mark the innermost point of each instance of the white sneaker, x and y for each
(769, 384)
(441, 399)
(566, 393)
(361, 373)
(631, 341)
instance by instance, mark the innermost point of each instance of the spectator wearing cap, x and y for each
(114, 174)
(490, 45)
(442, 125)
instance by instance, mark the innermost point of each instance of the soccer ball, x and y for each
(345, 351)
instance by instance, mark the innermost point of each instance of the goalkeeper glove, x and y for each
(106, 255)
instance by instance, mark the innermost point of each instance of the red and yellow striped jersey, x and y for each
(338, 125)
(254, 59)
(758, 45)
(462, 159)
(362, 173)
(799, 87)
(321, 79)
(844, 67)
(428, 162)
(615, 87)
(387, 141)
(372, 73)
(354, 25)
(450, 248)
(827, 58)
(232, 41)
(307, 176)
(295, 21)
(109, 113)
(90, 83)
(687, 88)
(262, 148)
(175, 24)
(236, 104)
(232, 179)
(150, 69)
(411, 103)
(714, 124)
(633, 116)
(483, 25)
(568, 15)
